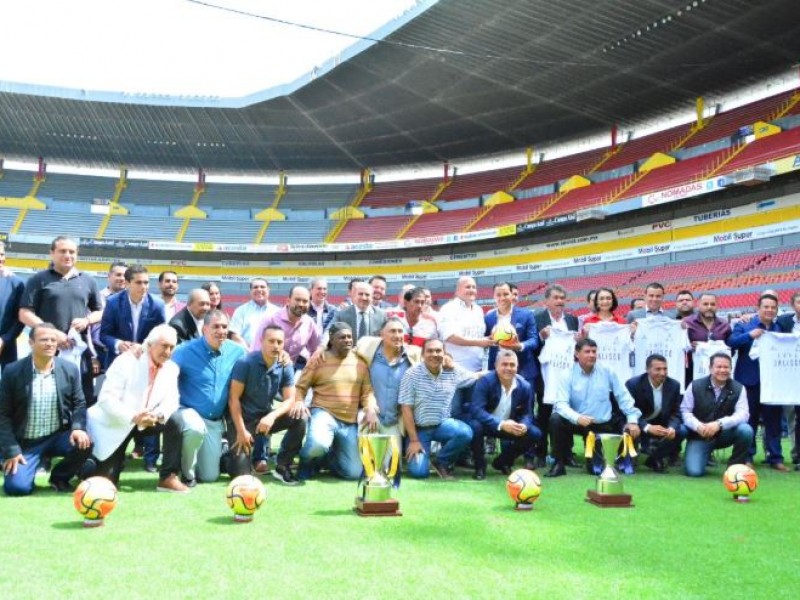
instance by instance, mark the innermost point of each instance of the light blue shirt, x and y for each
(205, 375)
(247, 317)
(587, 394)
(386, 380)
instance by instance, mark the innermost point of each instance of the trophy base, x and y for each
(609, 500)
(382, 508)
(741, 499)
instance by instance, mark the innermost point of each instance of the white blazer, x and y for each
(124, 394)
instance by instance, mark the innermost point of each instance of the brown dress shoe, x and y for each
(172, 484)
(779, 467)
(261, 467)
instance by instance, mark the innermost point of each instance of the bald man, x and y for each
(188, 322)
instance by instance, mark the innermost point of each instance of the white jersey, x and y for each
(557, 358)
(702, 355)
(664, 336)
(614, 347)
(778, 357)
(456, 318)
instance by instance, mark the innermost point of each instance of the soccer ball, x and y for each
(94, 498)
(504, 334)
(523, 488)
(741, 481)
(245, 496)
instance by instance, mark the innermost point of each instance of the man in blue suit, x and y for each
(523, 322)
(747, 373)
(502, 407)
(11, 288)
(130, 315)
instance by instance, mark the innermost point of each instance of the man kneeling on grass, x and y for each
(426, 395)
(42, 414)
(341, 385)
(256, 381)
(715, 411)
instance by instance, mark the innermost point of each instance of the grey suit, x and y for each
(375, 319)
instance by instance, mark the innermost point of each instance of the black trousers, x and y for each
(239, 462)
(511, 446)
(561, 432)
(115, 464)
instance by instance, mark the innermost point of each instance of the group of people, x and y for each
(206, 391)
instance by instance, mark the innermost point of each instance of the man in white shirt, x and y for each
(247, 317)
(462, 327)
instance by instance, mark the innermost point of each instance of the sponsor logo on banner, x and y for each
(548, 222)
(206, 247)
(236, 263)
(506, 230)
(164, 245)
(465, 256)
(386, 261)
(683, 191)
(425, 258)
(661, 225)
(93, 243)
(714, 215)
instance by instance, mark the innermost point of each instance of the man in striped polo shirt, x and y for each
(341, 386)
(426, 393)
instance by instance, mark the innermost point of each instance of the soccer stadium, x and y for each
(508, 161)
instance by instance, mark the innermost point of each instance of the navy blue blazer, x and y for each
(486, 397)
(117, 322)
(523, 321)
(11, 289)
(642, 393)
(747, 370)
(15, 397)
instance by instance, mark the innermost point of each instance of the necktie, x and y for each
(362, 325)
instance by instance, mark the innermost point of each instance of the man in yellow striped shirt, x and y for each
(341, 385)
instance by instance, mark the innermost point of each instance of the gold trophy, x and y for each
(609, 492)
(374, 497)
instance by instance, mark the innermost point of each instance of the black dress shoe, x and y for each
(557, 470)
(657, 465)
(480, 474)
(503, 468)
(190, 483)
(61, 486)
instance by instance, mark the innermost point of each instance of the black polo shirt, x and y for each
(261, 385)
(58, 300)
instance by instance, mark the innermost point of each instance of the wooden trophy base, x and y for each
(384, 508)
(609, 500)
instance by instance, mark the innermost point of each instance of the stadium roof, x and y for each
(463, 78)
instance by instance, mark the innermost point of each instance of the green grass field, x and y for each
(685, 538)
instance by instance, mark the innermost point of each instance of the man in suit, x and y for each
(130, 315)
(502, 407)
(658, 397)
(139, 395)
(748, 373)
(552, 316)
(790, 323)
(526, 339)
(320, 309)
(11, 288)
(42, 414)
(188, 322)
(363, 318)
(653, 304)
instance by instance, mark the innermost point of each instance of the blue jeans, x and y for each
(698, 450)
(57, 444)
(330, 438)
(454, 435)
